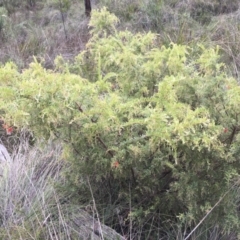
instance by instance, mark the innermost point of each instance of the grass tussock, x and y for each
(30, 205)
(28, 198)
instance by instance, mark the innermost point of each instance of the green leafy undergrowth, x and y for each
(155, 129)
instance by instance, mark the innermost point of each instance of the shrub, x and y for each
(153, 128)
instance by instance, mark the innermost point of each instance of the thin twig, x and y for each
(99, 227)
(216, 204)
(63, 21)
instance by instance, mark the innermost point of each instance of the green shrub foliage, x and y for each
(155, 129)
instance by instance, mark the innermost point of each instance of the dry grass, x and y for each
(30, 205)
(42, 33)
(28, 197)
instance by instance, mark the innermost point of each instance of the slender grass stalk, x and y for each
(209, 212)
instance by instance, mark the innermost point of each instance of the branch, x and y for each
(98, 138)
(233, 134)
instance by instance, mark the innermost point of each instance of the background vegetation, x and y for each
(148, 122)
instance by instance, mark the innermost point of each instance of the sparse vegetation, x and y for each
(143, 102)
